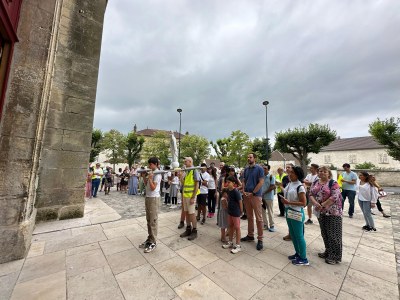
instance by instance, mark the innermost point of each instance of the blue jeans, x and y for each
(95, 186)
(366, 209)
(351, 195)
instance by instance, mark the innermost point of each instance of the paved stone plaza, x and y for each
(97, 257)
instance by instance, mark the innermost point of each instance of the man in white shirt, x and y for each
(308, 181)
(202, 197)
(152, 201)
(96, 178)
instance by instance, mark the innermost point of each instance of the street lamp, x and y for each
(179, 110)
(265, 103)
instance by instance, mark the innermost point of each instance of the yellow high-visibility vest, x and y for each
(188, 185)
(279, 178)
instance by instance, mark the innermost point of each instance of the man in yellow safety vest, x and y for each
(190, 191)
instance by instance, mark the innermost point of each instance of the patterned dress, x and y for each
(330, 218)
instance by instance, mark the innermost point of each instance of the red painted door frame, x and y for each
(9, 17)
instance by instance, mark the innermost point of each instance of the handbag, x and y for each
(294, 215)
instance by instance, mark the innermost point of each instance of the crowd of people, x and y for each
(233, 198)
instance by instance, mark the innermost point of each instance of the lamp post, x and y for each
(179, 110)
(265, 103)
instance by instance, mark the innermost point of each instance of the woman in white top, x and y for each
(367, 196)
(294, 200)
(211, 191)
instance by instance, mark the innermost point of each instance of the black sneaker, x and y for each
(193, 234)
(150, 247)
(331, 261)
(309, 222)
(144, 244)
(294, 256)
(181, 224)
(203, 221)
(247, 238)
(244, 217)
(187, 232)
(260, 245)
(367, 228)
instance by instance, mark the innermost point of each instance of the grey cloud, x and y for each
(334, 62)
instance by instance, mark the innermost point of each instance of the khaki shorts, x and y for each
(187, 207)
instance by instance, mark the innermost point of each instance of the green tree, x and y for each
(133, 146)
(259, 147)
(114, 142)
(304, 140)
(221, 148)
(233, 150)
(195, 146)
(239, 147)
(95, 150)
(387, 133)
(158, 146)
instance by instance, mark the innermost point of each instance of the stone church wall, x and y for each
(45, 129)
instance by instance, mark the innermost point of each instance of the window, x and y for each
(352, 158)
(327, 159)
(383, 158)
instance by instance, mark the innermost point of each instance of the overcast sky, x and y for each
(330, 62)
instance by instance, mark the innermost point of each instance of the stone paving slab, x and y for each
(104, 261)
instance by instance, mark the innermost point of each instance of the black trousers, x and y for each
(331, 231)
(281, 205)
(379, 205)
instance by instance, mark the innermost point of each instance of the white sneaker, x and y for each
(173, 206)
(227, 245)
(236, 249)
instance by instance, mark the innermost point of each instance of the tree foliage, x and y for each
(367, 165)
(259, 147)
(221, 148)
(233, 150)
(195, 146)
(304, 140)
(158, 146)
(95, 150)
(114, 142)
(387, 133)
(239, 147)
(133, 147)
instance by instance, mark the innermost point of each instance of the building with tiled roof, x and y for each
(150, 132)
(354, 151)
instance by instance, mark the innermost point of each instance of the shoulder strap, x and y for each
(331, 182)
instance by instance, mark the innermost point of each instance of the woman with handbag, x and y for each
(327, 201)
(294, 200)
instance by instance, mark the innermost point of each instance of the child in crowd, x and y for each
(174, 189)
(235, 210)
(222, 215)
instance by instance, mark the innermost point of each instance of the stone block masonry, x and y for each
(45, 129)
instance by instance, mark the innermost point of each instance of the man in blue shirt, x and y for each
(268, 198)
(253, 182)
(349, 187)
